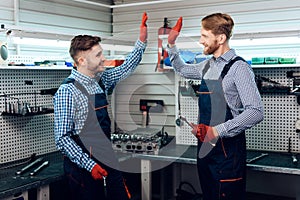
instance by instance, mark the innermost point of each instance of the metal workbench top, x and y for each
(10, 183)
(274, 162)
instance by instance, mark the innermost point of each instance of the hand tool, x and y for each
(27, 167)
(186, 121)
(36, 170)
(104, 185)
(250, 160)
(295, 160)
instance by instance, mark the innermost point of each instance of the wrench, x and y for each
(186, 121)
(256, 158)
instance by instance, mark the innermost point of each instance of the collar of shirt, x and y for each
(90, 84)
(217, 65)
(226, 57)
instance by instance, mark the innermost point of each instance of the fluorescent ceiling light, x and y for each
(40, 42)
(93, 3)
(127, 4)
(64, 44)
(265, 41)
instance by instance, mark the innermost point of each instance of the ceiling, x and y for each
(122, 3)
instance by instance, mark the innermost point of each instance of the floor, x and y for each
(254, 196)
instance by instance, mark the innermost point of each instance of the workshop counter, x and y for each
(275, 162)
(10, 183)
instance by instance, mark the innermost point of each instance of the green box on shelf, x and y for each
(257, 61)
(287, 60)
(271, 60)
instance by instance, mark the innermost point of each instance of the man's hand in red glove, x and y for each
(204, 133)
(143, 28)
(175, 32)
(98, 172)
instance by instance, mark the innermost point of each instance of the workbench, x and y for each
(275, 162)
(11, 184)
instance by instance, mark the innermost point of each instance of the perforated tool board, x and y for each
(21, 136)
(281, 113)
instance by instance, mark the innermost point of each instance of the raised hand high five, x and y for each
(175, 32)
(143, 28)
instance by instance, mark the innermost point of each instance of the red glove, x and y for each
(143, 28)
(98, 172)
(175, 31)
(204, 133)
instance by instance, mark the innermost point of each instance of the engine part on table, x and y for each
(27, 167)
(266, 85)
(256, 158)
(140, 140)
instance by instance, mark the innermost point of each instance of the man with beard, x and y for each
(81, 122)
(229, 103)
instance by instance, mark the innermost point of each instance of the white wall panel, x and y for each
(40, 18)
(252, 18)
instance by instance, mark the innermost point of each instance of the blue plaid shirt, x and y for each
(241, 93)
(71, 105)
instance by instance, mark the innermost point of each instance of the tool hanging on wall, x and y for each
(178, 121)
(267, 86)
(162, 53)
(296, 83)
(3, 53)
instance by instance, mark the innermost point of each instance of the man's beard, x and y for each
(208, 50)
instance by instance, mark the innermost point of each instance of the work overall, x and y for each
(94, 139)
(222, 171)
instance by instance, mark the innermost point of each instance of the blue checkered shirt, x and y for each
(71, 105)
(240, 90)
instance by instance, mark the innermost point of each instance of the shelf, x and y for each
(43, 67)
(37, 67)
(276, 65)
(43, 112)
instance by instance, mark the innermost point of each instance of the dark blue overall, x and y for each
(95, 141)
(222, 171)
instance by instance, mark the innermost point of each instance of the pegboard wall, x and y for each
(21, 136)
(272, 134)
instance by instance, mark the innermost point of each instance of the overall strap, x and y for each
(228, 65)
(101, 85)
(80, 87)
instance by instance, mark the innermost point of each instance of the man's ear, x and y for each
(222, 38)
(80, 60)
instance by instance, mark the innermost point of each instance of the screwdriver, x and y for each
(104, 185)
